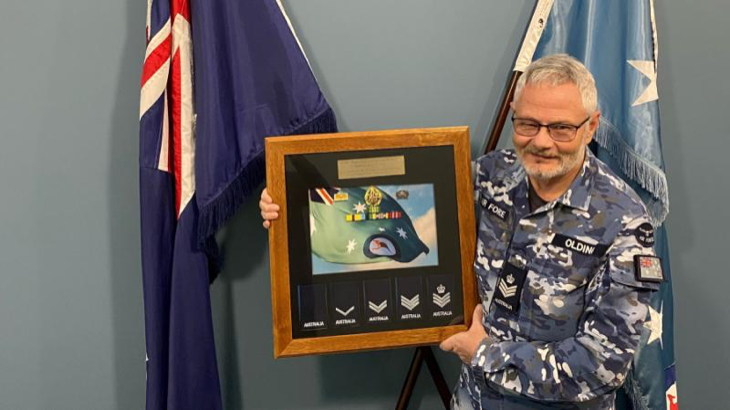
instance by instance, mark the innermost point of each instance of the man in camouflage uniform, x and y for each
(565, 263)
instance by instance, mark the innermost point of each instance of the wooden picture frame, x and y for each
(431, 161)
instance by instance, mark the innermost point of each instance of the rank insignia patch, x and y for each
(509, 288)
(377, 295)
(408, 291)
(345, 303)
(312, 307)
(648, 268)
(440, 287)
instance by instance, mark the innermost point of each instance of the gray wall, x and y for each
(70, 280)
(694, 95)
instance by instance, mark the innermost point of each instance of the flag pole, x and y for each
(501, 119)
(524, 57)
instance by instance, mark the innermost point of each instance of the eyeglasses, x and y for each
(558, 132)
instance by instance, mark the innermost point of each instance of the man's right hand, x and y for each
(269, 210)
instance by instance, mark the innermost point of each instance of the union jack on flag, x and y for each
(167, 94)
(181, 363)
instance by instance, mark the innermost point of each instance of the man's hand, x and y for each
(465, 344)
(269, 210)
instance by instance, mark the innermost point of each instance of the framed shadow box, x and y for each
(375, 239)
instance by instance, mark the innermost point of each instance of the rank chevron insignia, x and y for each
(442, 301)
(378, 308)
(411, 303)
(345, 312)
(507, 291)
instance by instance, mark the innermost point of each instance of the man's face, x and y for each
(545, 159)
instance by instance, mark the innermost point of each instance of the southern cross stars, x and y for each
(402, 233)
(654, 324)
(351, 246)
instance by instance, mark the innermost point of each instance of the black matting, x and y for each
(424, 165)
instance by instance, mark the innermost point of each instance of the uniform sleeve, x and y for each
(596, 360)
(479, 171)
(478, 174)
(482, 167)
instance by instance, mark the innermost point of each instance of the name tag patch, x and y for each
(494, 209)
(579, 246)
(645, 234)
(648, 268)
(509, 288)
(312, 307)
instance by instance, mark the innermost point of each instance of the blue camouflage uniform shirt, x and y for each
(565, 337)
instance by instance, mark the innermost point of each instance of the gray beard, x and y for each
(567, 163)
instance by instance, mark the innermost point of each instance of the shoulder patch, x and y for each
(648, 268)
(645, 234)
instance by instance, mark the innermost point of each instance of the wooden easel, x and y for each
(423, 353)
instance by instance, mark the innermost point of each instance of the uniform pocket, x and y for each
(556, 293)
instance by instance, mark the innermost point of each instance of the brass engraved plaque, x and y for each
(371, 167)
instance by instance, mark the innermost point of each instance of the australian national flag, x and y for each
(617, 41)
(340, 216)
(181, 362)
(202, 127)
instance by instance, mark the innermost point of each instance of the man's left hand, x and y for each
(465, 344)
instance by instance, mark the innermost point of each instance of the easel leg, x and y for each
(423, 353)
(438, 377)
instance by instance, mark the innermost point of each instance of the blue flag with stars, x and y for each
(617, 42)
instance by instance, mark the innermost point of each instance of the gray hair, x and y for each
(558, 69)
